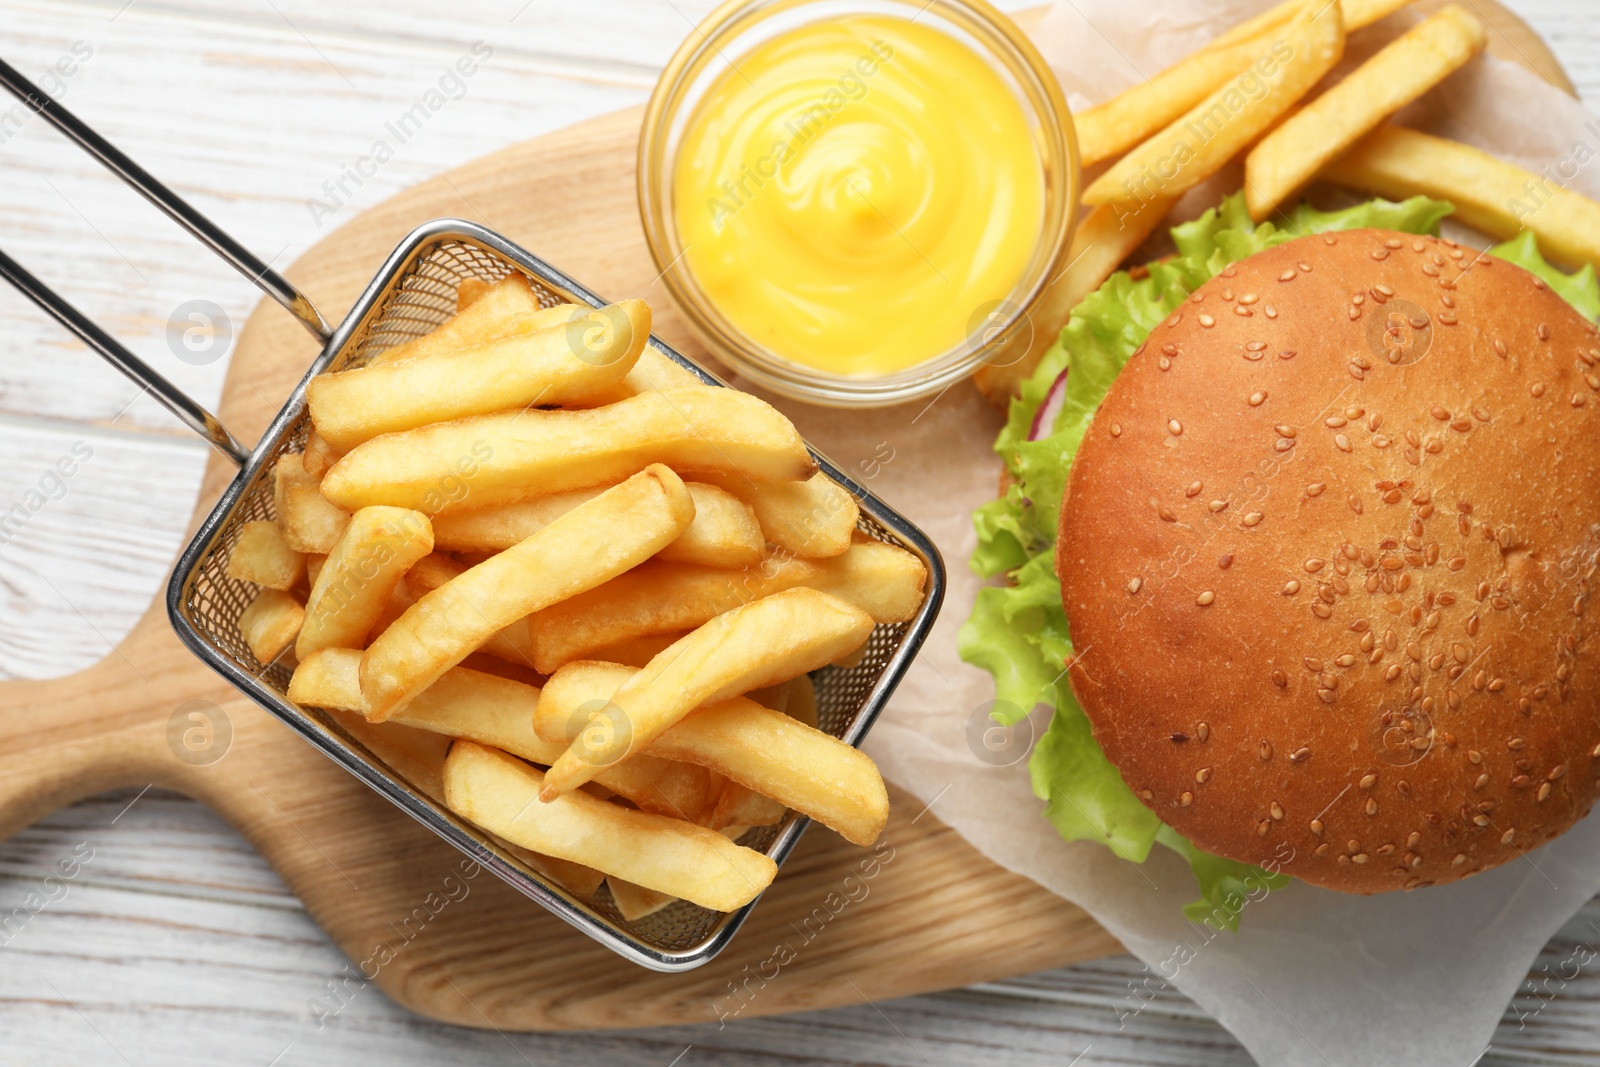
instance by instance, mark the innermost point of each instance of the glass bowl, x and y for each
(997, 329)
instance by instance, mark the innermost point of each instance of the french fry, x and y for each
(484, 319)
(1201, 141)
(496, 791)
(635, 902)
(1488, 193)
(638, 651)
(759, 749)
(494, 459)
(1107, 235)
(270, 623)
(512, 643)
(759, 644)
(584, 548)
(724, 532)
(740, 805)
(319, 456)
(577, 879)
(655, 598)
(499, 712)
(1291, 155)
(653, 372)
(309, 522)
(813, 519)
(796, 698)
(1358, 15)
(1111, 128)
(415, 755)
(314, 562)
(558, 365)
(262, 556)
(470, 291)
(355, 583)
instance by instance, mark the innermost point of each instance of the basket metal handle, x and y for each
(232, 252)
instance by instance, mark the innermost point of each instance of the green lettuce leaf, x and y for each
(1581, 290)
(1018, 630)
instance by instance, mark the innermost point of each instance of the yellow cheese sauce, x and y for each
(854, 194)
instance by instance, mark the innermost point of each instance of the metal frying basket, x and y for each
(414, 292)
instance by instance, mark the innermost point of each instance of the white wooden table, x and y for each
(175, 944)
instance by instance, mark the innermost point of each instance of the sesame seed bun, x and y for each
(1326, 556)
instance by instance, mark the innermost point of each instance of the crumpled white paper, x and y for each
(1313, 978)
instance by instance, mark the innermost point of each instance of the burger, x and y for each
(1299, 539)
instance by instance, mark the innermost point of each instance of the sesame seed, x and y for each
(1218, 505)
(1203, 775)
(1256, 399)
(1116, 429)
(1264, 750)
(1538, 389)
(1207, 321)
(1359, 857)
(1253, 518)
(1314, 565)
(1291, 587)
(1193, 490)
(1458, 859)
(1166, 514)
(1544, 791)
(1305, 268)
(1505, 838)
(1287, 276)
(1134, 585)
(1483, 780)
(1206, 599)
(1342, 442)
(1372, 806)
(1203, 731)
(1543, 331)
(1285, 431)
(1174, 427)
(1300, 755)
(1316, 826)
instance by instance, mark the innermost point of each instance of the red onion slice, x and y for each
(1044, 420)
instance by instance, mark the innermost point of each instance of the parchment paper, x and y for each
(1313, 978)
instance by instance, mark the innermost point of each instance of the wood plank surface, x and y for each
(238, 158)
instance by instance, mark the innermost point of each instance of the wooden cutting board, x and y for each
(935, 913)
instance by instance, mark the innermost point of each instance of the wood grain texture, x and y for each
(950, 1029)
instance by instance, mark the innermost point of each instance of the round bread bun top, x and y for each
(1326, 556)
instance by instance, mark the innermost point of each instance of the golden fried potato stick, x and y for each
(309, 522)
(765, 751)
(1201, 141)
(670, 856)
(760, 644)
(499, 712)
(470, 291)
(508, 306)
(269, 624)
(263, 556)
(883, 580)
(1107, 235)
(587, 546)
(635, 902)
(1111, 128)
(559, 365)
(724, 533)
(355, 582)
(498, 459)
(1289, 157)
(739, 805)
(513, 642)
(1497, 197)
(319, 456)
(812, 519)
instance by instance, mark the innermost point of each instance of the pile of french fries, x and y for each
(489, 564)
(1261, 94)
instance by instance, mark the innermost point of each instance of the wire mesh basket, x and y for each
(413, 293)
